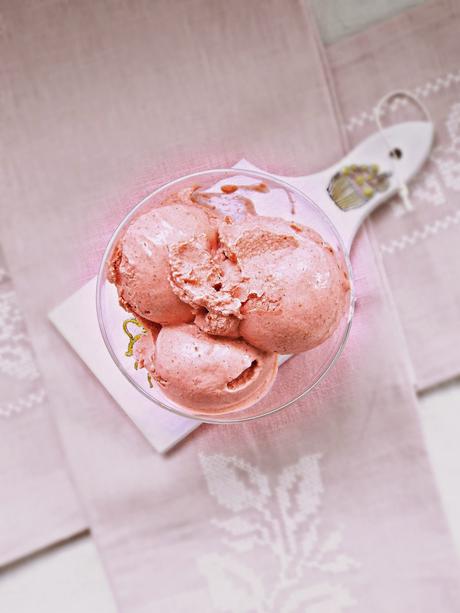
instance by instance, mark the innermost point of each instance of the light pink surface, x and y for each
(85, 135)
(38, 503)
(330, 503)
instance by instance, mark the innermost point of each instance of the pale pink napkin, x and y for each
(420, 248)
(327, 506)
(38, 504)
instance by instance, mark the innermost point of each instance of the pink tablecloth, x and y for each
(100, 101)
(38, 504)
(329, 504)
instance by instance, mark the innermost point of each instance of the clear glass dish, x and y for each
(297, 375)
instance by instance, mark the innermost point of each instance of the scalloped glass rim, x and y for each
(224, 418)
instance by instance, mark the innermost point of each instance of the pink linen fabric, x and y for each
(91, 95)
(327, 506)
(38, 504)
(417, 51)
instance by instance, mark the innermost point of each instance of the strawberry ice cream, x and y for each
(139, 266)
(253, 286)
(297, 289)
(205, 372)
(273, 282)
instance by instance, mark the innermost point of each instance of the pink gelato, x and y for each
(297, 288)
(253, 286)
(205, 278)
(204, 372)
(217, 324)
(273, 282)
(139, 266)
(144, 351)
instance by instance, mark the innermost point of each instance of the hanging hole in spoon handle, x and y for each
(396, 153)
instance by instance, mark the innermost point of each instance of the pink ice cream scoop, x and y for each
(275, 283)
(204, 372)
(297, 287)
(139, 265)
(253, 286)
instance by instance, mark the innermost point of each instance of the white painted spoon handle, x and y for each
(367, 176)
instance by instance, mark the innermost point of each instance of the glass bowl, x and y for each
(297, 374)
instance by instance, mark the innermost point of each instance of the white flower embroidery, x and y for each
(446, 156)
(282, 520)
(449, 169)
(20, 382)
(453, 126)
(16, 358)
(429, 190)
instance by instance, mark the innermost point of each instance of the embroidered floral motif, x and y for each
(446, 156)
(426, 188)
(16, 358)
(412, 238)
(19, 378)
(453, 126)
(429, 190)
(279, 520)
